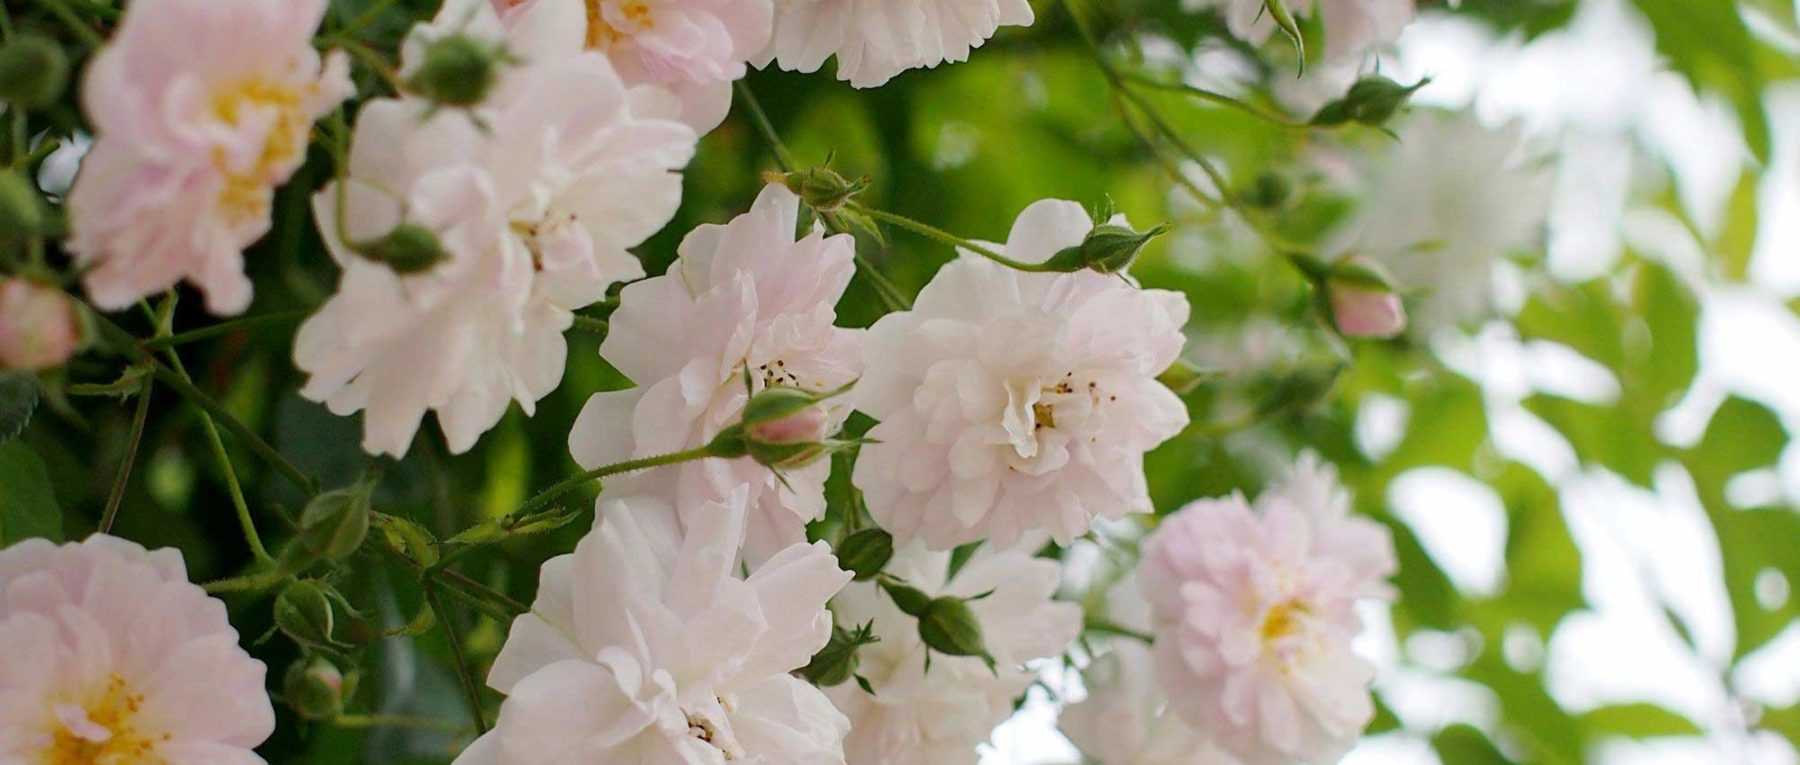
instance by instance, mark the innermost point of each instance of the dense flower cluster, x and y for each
(492, 202)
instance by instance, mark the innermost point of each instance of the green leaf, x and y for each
(1736, 240)
(1465, 745)
(1610, 437)
(1543, 565)
(1637, 721)
(18, 399)
(27, 505)
(1707, 42)
(1672, 313)
(1742, 435)
(1583, 317)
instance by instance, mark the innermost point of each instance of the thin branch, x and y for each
(932, 232)
(138, 420)
(472, 691)
(222, 328)
(545, 497)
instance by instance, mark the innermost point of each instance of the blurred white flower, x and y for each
(534, 199)
(1125, 718)
(938, 717)
(1254, 616)
(1013, 401)
(112, 656)
(692, 50)
(877, 39)
(742, 296)
(1443, 204)
(643, 647)
(40, 327)
(200, 110)
(1352, 27)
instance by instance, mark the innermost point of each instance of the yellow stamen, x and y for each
(114, 708)
(248, 192)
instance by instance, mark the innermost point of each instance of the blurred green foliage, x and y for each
(965, 147)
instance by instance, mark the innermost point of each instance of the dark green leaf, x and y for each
(18, 399)
(1466, 745)
(27, 505)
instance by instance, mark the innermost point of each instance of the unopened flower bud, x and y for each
(303, 613)
(315, 688)
(786, 428)
(837, 661)
(33, 71)
(408, 249)
(21, 207)
(40, 327)
(865, 553)
(1363, 304)
(949, 627)
(822, 188)
(335, 523)
(1373, 100)
(1109, 249)
(457, 71)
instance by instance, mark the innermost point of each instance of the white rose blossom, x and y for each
(938, 717)
(687, 51)
(744, 295)
(643, 647)
(877, 39)
(1444, 204)
(113, 656)
(1254, 614)
(199, 110)
(1012, 401)
(534, 198)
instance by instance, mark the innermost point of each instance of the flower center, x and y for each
(103, 731)
(701, 725)
(1282, 621)
(608, 23)
(248, 190)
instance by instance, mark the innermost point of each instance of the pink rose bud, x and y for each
(806, 426)
(39, 327)
(1366, 311)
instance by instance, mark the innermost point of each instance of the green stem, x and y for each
(371, 59)
(126, 344)
(932, 232)
(74, 23)
(217, 446)
(260, 580)
(366, 18)
(1214, 97)
(760, 119)
(884, 289)
(138, 420)
(1095, 624)
(545, 497)
(222, 328)
(590, 324)
(470, 689)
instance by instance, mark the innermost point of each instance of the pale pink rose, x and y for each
(112, 656)
(536, 197)
(742, 296)
(939, 717)
(1011, 401)
(877, 39)
(1254, 615)
(40, 327)
(200, 109)
(689, 50)
(1125, 719)
(646, 647)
